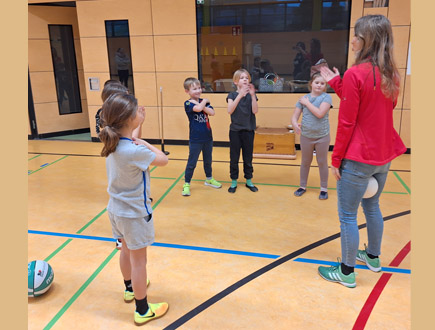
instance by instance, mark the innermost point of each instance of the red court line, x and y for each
(377, 290)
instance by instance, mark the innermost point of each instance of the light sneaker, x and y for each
(334, 274)
(129, 296)
(154, 311)
(213, 183)
(118, 244)
(186, 189)
(373, 264)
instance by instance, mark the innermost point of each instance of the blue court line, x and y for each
(204, 249)
(332, 263)
(174, 246)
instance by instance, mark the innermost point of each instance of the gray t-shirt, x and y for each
(129, 180)
(242, 118)
(313, 127)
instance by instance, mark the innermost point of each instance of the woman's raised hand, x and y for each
(327, 74)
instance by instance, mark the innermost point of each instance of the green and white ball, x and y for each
(40, 277)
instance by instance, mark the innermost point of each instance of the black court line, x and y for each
(188, 316)
(200, 160)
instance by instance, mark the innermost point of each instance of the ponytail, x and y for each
(117, 110)
(110, 138)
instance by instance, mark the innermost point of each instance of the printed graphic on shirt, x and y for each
(199, 125)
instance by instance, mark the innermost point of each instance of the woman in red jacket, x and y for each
(366, 142)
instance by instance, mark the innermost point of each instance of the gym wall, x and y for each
(163, 44)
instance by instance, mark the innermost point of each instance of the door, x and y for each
(65, 69)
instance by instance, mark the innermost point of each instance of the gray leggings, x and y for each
(321, 145)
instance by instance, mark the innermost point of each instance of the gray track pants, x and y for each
(321, 145)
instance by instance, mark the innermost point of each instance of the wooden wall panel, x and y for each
(399, 12)
(41, 69)
(142, 54)
(401, 45)
(176, 53)
(376, 11)
(39, 55)
(357, 10)
(49, 120)
(182, 17)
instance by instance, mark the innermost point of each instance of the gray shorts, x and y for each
(137, 233)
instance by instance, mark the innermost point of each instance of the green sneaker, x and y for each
(154, 311)
(213, 183)
(334, 274)
(373, 264)
(186, 189)
(129, 296)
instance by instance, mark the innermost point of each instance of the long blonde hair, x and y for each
(117, 110)
(377, 36)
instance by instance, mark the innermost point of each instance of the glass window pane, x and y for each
(118, 48)
(278, 42)
(65, 69)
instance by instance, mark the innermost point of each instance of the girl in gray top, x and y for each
(127, 162)
(314, 131)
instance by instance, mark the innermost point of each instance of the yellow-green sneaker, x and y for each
(129, 296)
(186, 189)
(154, 311)
(213, 183)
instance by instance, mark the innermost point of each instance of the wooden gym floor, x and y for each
(222, 261)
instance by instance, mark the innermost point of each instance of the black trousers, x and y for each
(243, 140)
(123, 77)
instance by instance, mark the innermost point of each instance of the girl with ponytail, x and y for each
(127, 162)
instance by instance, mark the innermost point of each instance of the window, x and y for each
(278, 42)
(65, 69)
(118, 48)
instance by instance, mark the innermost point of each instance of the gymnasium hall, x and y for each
(221, 260)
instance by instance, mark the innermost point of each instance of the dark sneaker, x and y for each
(323, 195)
(300, 192)
(252, 188)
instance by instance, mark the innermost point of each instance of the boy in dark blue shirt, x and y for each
(200, 135)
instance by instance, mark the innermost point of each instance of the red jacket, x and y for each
(365, 131)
